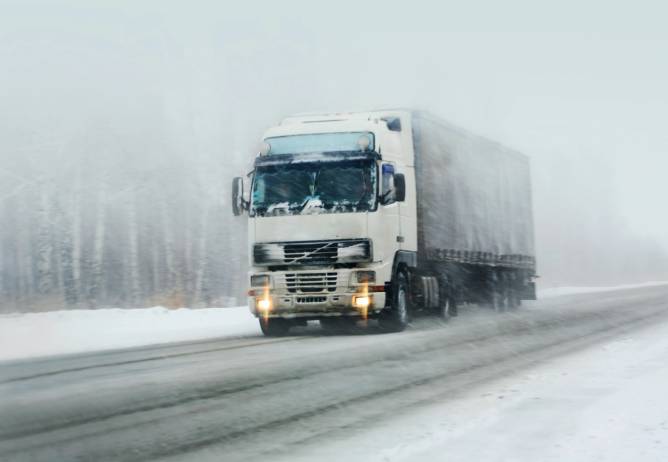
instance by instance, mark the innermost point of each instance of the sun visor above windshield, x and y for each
(278, 159)
(304, 143)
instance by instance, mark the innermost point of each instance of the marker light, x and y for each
(265, 149)
(363, 142)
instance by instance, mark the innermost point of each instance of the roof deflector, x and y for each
(393, 123)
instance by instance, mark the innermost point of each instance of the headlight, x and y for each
(263, 304)
(362, 301)
(260, 280)
(361, 277)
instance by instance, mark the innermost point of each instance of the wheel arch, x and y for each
(404, 259)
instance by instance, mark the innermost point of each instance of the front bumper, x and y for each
(315, 305)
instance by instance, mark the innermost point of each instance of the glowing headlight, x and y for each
(361, 301)
(260, 280)
(263, 304)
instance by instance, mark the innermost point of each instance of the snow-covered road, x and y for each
(567, 378)
(605, 402)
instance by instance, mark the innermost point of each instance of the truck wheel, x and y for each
(444, 309)
(513, 299)
(448, 308)
(274, 327)
(396, 318)
(497, 301)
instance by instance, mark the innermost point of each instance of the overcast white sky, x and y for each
(578, 86)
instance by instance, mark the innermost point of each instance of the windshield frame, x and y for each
(290, 159)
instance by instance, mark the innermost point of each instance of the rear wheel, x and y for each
(513, 298)
(274, 327)
(448, 308)
(498, 295)
(497, 302)
(396, 318)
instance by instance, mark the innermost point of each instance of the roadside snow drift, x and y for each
(32, 335)
(558, 291)
(77, 331)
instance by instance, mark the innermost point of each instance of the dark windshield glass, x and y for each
(314, 187)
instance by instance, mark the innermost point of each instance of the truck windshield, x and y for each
(314, 187)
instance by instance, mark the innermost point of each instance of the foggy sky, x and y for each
(579, 88)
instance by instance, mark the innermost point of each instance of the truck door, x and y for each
(384, 226)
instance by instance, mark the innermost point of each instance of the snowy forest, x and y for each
(128, 214)
(122, 127)
(108, 226)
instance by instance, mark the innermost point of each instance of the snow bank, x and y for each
(76, 331)
(558, 291)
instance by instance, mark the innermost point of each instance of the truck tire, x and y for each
(448, 308)
(497, 301)
(274, 327)
(513, 298)
(395, 319)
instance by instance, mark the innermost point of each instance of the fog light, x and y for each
(361, 301)
(263, 304)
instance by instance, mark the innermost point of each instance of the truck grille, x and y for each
(312, 299)
(310, 282)
(312, 252)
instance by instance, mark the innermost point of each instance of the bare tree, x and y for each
(45, 281)
(97, 260)
(133, 251)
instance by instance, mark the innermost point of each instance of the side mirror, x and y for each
(238, 202)
(399, 187)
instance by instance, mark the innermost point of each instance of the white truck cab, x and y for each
(331, 202)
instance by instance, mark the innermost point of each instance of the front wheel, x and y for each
(396, 318)
(274, 327)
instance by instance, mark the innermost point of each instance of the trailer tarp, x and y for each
(474, 197)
